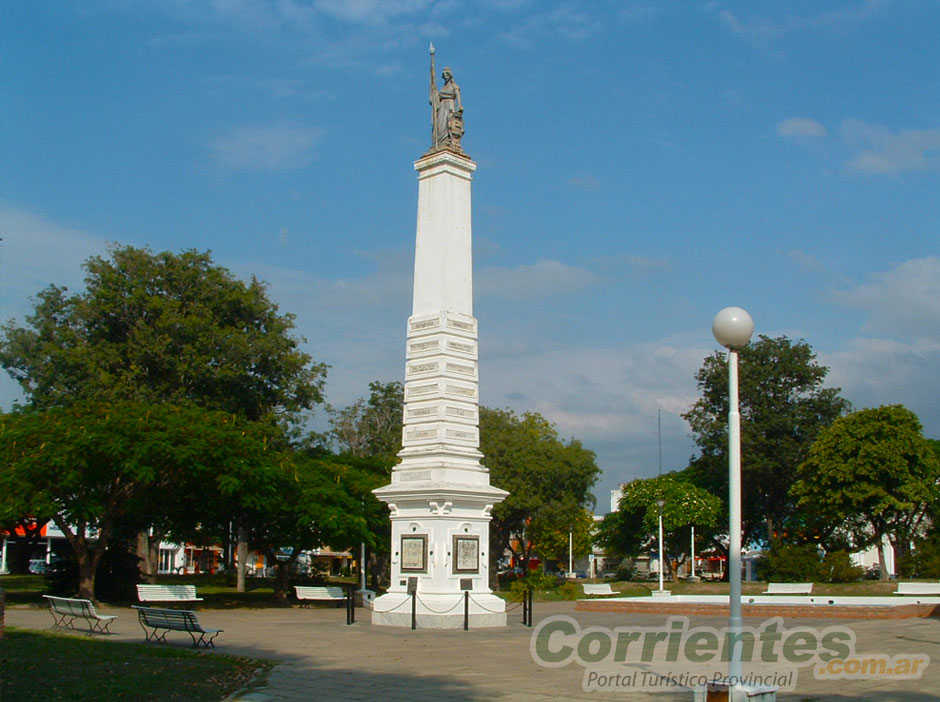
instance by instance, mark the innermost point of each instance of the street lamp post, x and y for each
(732, 328)
(659, 503)
(570, 551)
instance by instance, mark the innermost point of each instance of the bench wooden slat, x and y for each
(174, 620)
(167, 593)
(789, 589)
(320, 593)
(905, 588)
(65, 610)
(598, 589)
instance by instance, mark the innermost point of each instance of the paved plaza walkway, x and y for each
(320, 658)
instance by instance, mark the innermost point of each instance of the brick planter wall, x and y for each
(808, 611)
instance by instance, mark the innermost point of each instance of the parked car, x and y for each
(37, 566)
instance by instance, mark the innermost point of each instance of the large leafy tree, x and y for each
(634, 527)
(549, 480)
(88, 464)
(783, 407)
(873, 473)
(557, 535)
(370, 427)
(315, 503)
(162, 327)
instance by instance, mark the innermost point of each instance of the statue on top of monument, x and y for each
(446, 111)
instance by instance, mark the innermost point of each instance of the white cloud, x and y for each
(904, 301)
(538, 280)
(562, 21)
(37, 253)
(805, 261)
(874, 372)
(878, 150)
(898, 361)
(369, 11)
(801, 128)
(275, 147)
(762, 30)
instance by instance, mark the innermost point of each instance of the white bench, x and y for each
(320, 593)
(905, 588)
(789, 589)
(65, 610)
(167, 593)
(174, 620)
(598, 589)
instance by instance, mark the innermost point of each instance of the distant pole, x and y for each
(362, 565)
(659, 435)
(570, 551)
(660, 503)
(693, 551)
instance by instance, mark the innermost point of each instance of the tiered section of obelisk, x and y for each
(440, 496)
(441, 381)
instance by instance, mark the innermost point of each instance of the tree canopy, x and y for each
(783, 407)
(370, 427)
(162, 327)
(87, 464)
(549, 481)
(633, 527)
(873, 474)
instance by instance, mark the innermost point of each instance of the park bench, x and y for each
(905, 588)
(65, 610)
(789, 589)
(174, 620)
(167, 593)
(320, 593)
(598, 589)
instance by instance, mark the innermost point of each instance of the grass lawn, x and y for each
(38, 665)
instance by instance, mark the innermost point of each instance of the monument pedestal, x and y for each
(440, 495)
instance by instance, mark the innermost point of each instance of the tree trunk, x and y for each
(148, 573)
(282, 576)
(241, 551)
(882, 562)
(87, 565)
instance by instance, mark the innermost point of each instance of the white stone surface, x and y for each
(440, 493)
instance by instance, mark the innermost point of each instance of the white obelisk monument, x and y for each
(440, 496)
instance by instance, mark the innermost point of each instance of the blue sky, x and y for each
(641, 166)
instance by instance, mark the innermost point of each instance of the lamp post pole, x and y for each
(660, 503)
(732, 328)
(570, 551)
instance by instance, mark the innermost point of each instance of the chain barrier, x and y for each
(483, 607)
(434, 611)
(407, 600)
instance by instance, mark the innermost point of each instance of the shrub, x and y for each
(626, 570)
(923, 561)
(570, 591)
(837, 568)
(789, 563)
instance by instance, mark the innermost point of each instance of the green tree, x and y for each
(873, 473)
(634, 527)
(783, 407)
(162, 327)
(370, 427)
(87, 464)
(315, 504)
(548, 480)
(550, 537)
